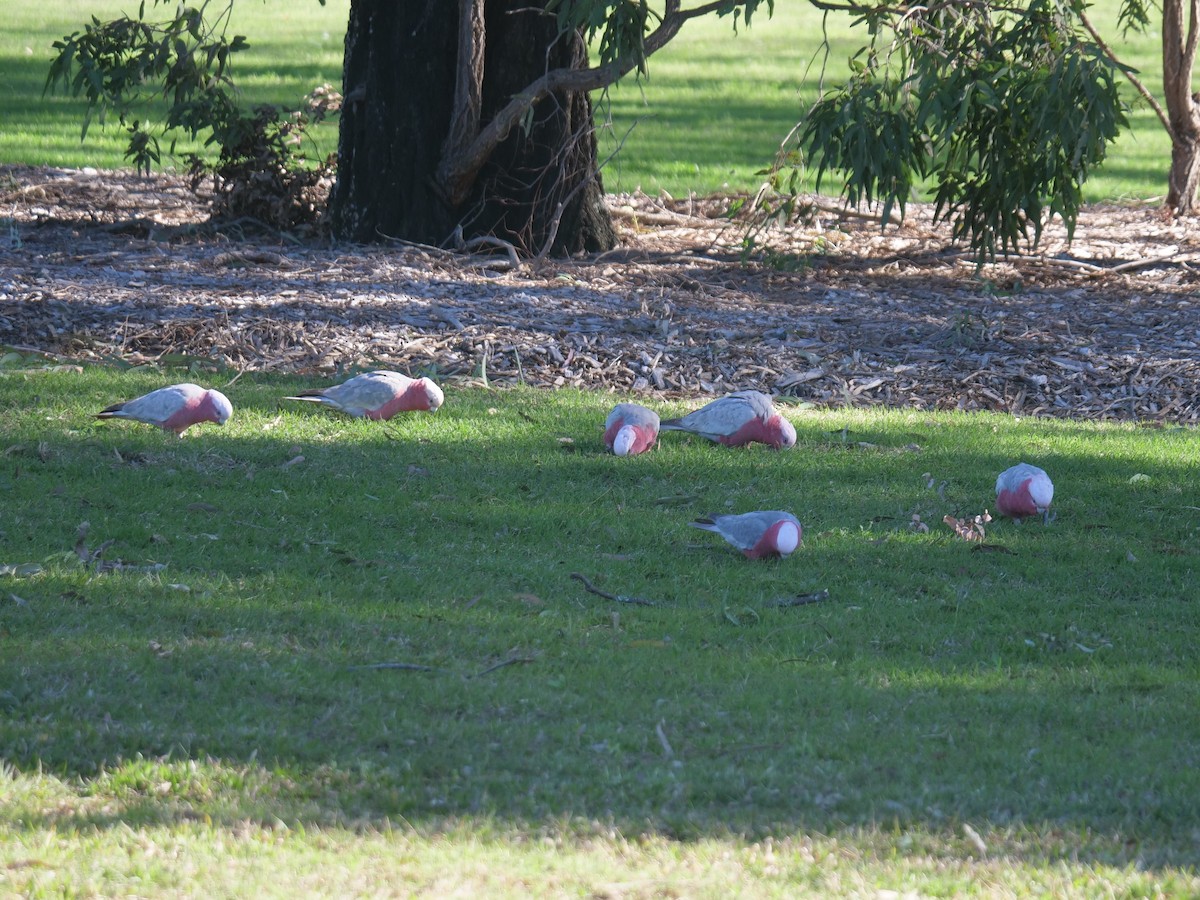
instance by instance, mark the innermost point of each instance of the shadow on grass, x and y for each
(937, 686)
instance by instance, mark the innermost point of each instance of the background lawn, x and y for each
(711, 115)
(951, 719)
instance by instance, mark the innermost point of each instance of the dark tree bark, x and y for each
(407, 105)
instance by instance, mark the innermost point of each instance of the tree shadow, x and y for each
(712, 713)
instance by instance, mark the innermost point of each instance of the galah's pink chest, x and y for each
(407, 400)
(643, 440)
(1017, 502)
(643, 436)
(755, 430)
(767, 545)
(184, 416)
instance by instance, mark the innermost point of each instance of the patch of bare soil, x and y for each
(103, 265)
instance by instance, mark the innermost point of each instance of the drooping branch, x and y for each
(458, 170)
(1130, 76)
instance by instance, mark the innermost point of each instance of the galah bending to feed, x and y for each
(175, 408)
(756, 534)
(738, 419)
(1024, 490)
(377, 395)
(630, 429)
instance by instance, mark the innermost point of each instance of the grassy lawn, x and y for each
(294, 48)
(712, 114)
(203, 719)
(327, 657)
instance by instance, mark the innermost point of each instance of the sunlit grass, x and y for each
(718, 105)
(164, 727)
(712, 114)
(293, 49)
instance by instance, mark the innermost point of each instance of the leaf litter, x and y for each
(1099, 328)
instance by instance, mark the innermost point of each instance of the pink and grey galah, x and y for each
(377, 395)
(630, 429)
(175, 408)
(757, 534)
(737, 419)
(1024, 491)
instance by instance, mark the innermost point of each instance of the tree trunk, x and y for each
(540, 187)
(1183, 108)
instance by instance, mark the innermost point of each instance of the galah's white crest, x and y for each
(377, 395)
(175, 408)
(738, 419)
(630, 429)
(756, 534)
(1023, 491)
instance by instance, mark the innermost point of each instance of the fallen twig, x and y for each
(662, 739)
(619, 598)
(487, 240)
(511, 661)
(94, 558)
(407, 667)
(803, 599)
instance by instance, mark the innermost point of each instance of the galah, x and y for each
(377, 395)
(1024, 490)
(175, 408)
(630, 429)
(738, 419)
(756, 534)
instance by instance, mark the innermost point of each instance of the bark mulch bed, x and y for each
(111, 265)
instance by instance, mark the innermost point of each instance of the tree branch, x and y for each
(1137, 83)
(458, 170)
(1177, 69)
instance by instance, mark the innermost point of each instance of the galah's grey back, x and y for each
(176, 407)
(736, 419)
(756, 534)
(377, 395)
(723, 416)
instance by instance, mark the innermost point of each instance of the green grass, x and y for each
(203, 729)
(712, 114)
(717, 106)
(294, 48)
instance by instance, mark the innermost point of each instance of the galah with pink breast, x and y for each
(737, 419)
(377, 395)
(175, 408)
(757, 534)
(630, 429)
(1023, 491)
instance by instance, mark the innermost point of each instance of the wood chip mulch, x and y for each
(111, 265)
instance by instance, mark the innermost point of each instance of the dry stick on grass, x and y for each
(403, 666)
(803, 599)
(511, 661)
(662, 739)
(591, 588)
(418, 667)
